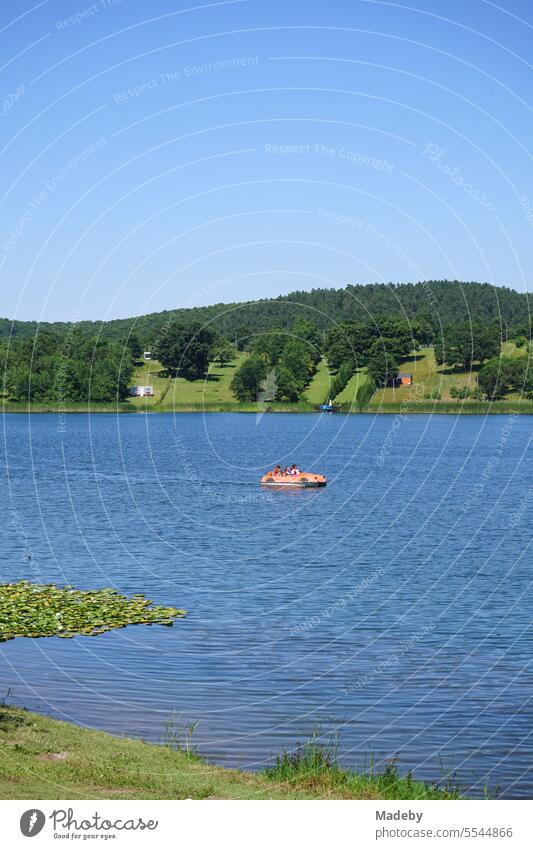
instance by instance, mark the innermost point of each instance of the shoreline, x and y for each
(459, 408)
(45, 758)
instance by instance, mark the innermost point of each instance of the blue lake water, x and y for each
(394, 606)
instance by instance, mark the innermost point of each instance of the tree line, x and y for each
(440, 303)
(56, 368)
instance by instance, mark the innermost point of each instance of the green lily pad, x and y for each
(45, 610)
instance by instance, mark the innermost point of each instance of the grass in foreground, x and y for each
(316, 764)
(41, 758)
(319, 389)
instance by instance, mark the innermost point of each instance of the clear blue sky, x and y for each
(163, 154)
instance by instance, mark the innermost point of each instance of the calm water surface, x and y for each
(394, 606)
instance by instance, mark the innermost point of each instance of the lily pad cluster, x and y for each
(45, 610)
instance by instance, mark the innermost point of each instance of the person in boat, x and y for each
(294, 469)
(277, 470)
(287, 471)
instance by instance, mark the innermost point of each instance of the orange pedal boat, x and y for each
(302, 479)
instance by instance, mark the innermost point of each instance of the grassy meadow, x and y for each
(172, 392)
(42, 758)
(320, 386)
(431, 381)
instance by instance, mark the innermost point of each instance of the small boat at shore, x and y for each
(302, 479)
(328, 407)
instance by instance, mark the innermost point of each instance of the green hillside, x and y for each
(320, 386)
(348, 394)
(281, 355)
(178, 392)
(42, 758)
(431, 388)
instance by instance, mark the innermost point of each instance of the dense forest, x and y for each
(438, 302)
(50, 367)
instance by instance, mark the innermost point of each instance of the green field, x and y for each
(209, 394)
(347, 396)
(41, 758)
(171, 393)
(429, 379)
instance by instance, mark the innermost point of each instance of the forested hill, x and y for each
(443, 302)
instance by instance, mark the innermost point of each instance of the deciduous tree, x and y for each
(186, 348)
